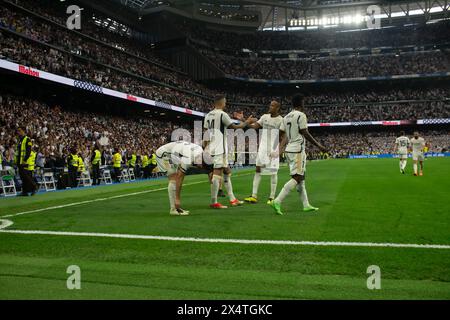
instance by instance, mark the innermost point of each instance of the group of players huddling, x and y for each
(281, 135)
(286, 135)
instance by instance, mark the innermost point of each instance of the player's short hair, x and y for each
(277, 102)
(402, 133)
(219, 97)
(298, 100)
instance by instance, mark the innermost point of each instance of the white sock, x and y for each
(228, 186)
(172, 188)
(415, 168)
(404, 165)
(273, 185)
(215, 185)
(256, 181)
(301, 188)
(287, 188)
(401, 165)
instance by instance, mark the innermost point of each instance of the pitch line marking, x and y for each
(104, 199)
(235, 241)
(93, 200)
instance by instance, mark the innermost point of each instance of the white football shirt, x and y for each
(418, 144)
(291, 125)
(269, 134)
(216, 122)
(180, 152)
(402, 143)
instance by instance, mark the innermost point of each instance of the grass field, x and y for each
(364, 201)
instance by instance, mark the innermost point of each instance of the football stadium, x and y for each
(224, 150)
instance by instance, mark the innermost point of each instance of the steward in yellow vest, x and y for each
(145, 164)
(80, 164)
(95, 164)
(117, 164)
(72, 165)
(132, 161)
(31, 162)
(144, 161)
(23, 152)
(152, 164)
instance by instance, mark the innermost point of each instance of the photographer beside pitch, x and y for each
(295, 126)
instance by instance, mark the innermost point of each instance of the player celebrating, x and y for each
(296, 128)
(402, 144)
(270, 123)
(417, 143)
(216, 122)
(175, 158)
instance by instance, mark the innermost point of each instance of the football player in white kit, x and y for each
(215, 144)
(175, 158)
(402, 144)
(417, 144)
(270, 124)
(295, 126)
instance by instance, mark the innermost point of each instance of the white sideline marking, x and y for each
(103, 199)
(5, 224)
(238, 241)
(94, 200)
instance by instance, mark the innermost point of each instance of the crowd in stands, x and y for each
(370, 112)
(55, 61)
(98, 52)
(331, 68)
(341, 145)
(105, 66)
(118, 38)
(326, 97)
(321, 39)
(55, 130)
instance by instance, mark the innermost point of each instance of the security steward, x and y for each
(117, 164)
(31, 166)
(152, 163)
(80, 164)
(72, 165)
(132, 161)
(23, 152)
(145, 163)
(96, 158)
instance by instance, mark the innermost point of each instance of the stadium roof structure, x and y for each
(291, 15)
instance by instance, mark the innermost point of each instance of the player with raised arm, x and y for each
(270, 124)
(215, 144)
(417, 144)
(295, 126)
(402, 144)
(175, 158)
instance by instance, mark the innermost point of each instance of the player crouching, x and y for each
(175, 158)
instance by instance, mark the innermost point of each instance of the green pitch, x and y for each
(360, 201)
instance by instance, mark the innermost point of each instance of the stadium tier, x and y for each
(116, 116)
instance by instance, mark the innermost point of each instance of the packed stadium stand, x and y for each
(129, 88)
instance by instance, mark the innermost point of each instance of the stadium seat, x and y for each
(106, 176)
(8, 186)
(48, 182)
(85, 179)
(131, 174)
(124, 177)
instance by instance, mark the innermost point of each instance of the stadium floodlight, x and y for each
(416, 12)
(436, 9)
(357, 18)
